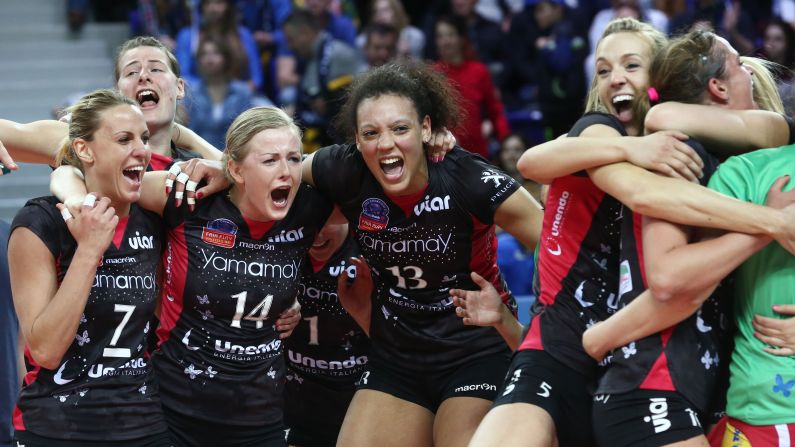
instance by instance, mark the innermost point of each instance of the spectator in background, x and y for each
(618, 9)
(724, 16)
(484, 112)
(325, 67)
(778, 45)
(512, 147)
(380, 45)
(215, 99)
(9, 332)
(391, 13)
(545, 64)
(339, 26)
(160, 18)
(217, 18)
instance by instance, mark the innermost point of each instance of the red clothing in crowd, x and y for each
(479, 102)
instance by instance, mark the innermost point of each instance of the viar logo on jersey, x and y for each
(220, 232)
(374, 215)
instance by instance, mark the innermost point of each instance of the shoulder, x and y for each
(594, 118)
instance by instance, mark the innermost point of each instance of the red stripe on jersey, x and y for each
(659, 377)
(121, 227)
(407, 202)
(160, 162)
(483, 258)
(571, 204)
(29, 378)
(533, 338)
(175, 260)
(637, 229)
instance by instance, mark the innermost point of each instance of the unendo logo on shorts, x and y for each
(374, 215)
(220, 232)
(351, 362)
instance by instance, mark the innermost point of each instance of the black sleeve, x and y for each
(173, 216)
(593, 118)
(42, 218)
(710, 161)
(312, 200)
(791, 125)
(479, 186)
(337, 171)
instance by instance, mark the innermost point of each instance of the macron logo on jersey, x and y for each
(434, 204)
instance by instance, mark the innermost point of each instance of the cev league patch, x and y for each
(374, 216)
(220, 232)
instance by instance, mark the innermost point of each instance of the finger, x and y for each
(668, 171)
(769, 326)
(683, 170)
(771, 341)
(362, 267)
(173, 172)
(691, 153)
(461, 312)
(90, 200)
(786, 309)
(468, 321)
(65, 213)
(459, 300)
(694, 165)
(6, 161)
(284, 335)
(780, 183)
(782, 352)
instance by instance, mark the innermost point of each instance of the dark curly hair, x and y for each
(428, 89)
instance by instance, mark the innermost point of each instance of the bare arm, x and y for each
(729, 132)
(355, 293)
(68, 185)
(664, 152)
(185, 137)
(485, 308)
(49, 314)
(36, 142)
(521, 216)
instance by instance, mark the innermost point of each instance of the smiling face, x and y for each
(116, 157)
(268, 176)
(390, 136)
(146, 77)
(622, 70)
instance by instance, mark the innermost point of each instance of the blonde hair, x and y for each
(766, 94)
(650, 34)
(85, 119)
(250, 123)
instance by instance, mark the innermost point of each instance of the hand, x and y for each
(197, 170)
(666, 152)
(288, 320)
(776, 197)
(482, 307)
(6, 161)
(355, 293)
(778, 333)
(441, 142)
(93, 228)
(785, 201)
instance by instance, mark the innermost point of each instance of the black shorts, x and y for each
(314, 411)
(644, 418)
(186, 431)
(536, 378)
(476, 378)
(28, 439)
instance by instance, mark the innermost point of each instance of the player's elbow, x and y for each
(45, 356)
(664, 285)
(531, 168)
(658, 116)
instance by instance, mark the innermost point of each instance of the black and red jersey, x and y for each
(577, 261)
(103, 389)
(327, 346)
(421, 246)
(227, 280)
(686, 357)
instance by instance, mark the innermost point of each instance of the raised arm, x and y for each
(728, 132)
(521, 216)
(36, 142)
(185, 137)
(68, 185)
(664, 152)
(49, 313)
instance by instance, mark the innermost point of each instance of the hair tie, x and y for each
(653, 95)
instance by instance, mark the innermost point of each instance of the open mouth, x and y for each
(392, 166)
(134, 174)
(147, 98)
(623, 107)
(280, 196)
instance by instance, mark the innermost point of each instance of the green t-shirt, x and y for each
(762, 388)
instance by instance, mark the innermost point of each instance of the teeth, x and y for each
(135, 168)
(620, 98)
(144, 93)
(390, 160)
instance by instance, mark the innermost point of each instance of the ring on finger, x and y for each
(182, 177)
(191, 185)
